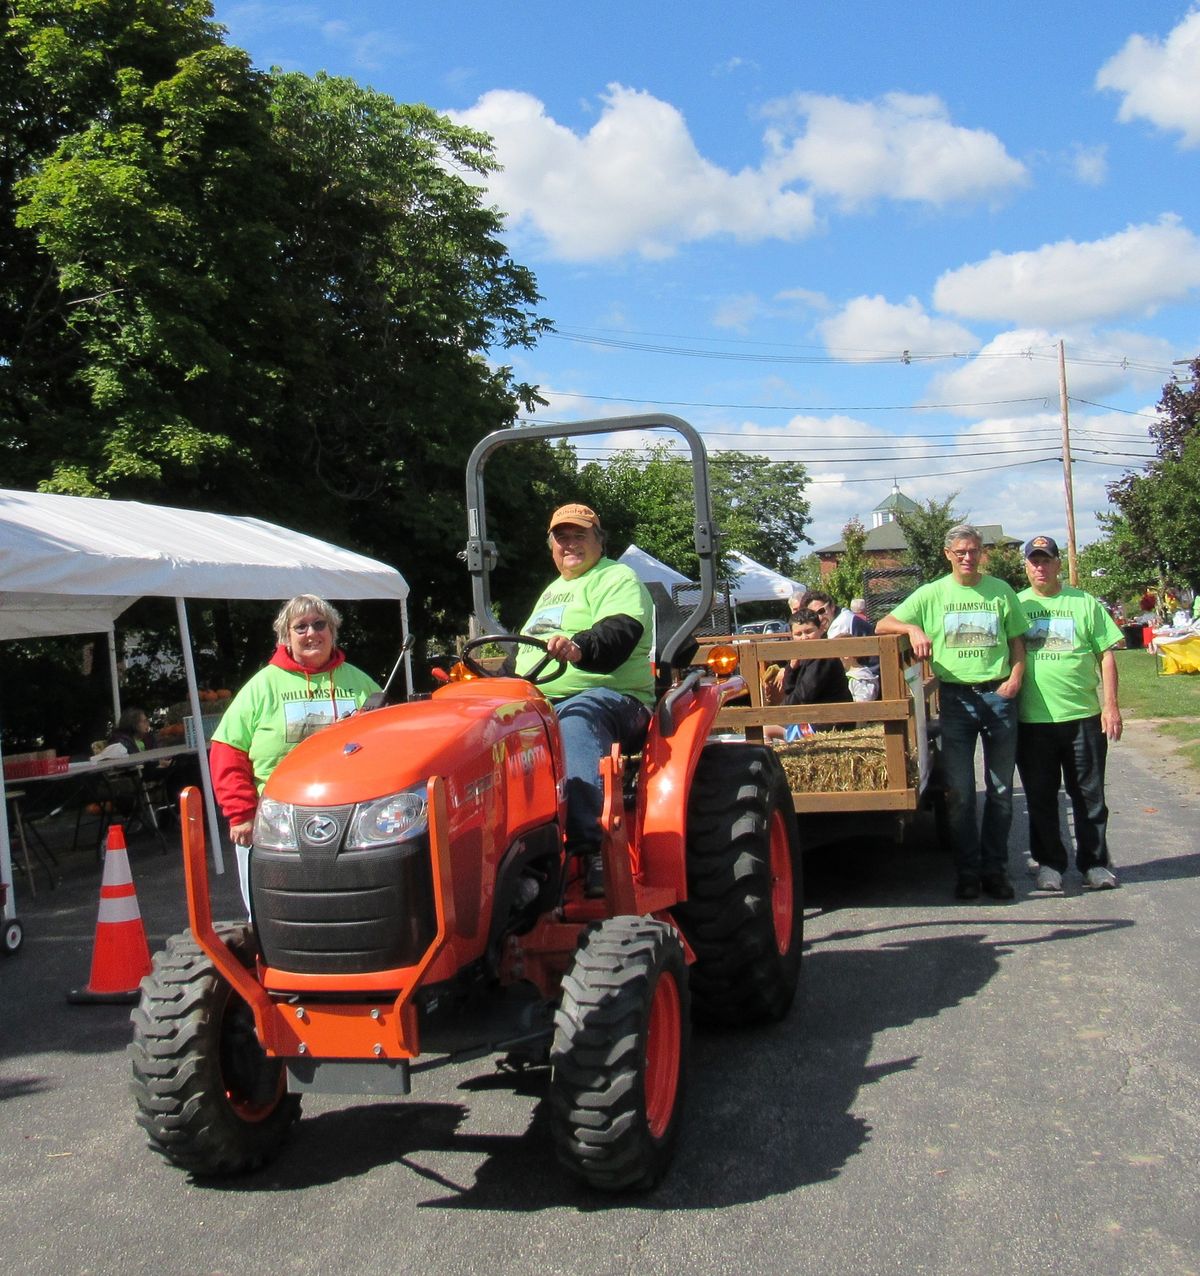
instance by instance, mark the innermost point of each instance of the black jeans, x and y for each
(1073, 753)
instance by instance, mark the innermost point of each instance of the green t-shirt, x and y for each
(968, 625)
(277, 709)
(570, 606)
(1067, 636)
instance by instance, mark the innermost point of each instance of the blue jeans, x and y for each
(591, 723)
(1073, 753)
(967, 715)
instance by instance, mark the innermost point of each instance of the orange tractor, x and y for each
(411, 897)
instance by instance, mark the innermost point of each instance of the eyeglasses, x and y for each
(965, 553)
(317, 626)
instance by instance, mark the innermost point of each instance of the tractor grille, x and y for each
(330, 911)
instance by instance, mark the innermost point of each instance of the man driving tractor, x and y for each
(597, 618)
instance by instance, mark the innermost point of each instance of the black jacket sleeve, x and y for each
(608, 644)
(821, 681)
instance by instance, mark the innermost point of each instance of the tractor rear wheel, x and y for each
(619, 1056)
(209, 1098)
(744, 915)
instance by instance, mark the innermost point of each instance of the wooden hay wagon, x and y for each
(874, 772)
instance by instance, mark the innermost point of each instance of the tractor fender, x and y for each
(668, 765)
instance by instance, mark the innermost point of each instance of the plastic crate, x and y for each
(208, 723)
(24, 766)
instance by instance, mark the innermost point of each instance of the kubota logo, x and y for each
(526, 760)
(320, 829)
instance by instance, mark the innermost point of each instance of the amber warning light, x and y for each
(722, 661)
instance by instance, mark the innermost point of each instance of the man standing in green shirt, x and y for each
(1068, 713)
(969, 626)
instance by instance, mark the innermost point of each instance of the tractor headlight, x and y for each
(399, 817)
(273, 826)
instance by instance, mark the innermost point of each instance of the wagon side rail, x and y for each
(904, 723)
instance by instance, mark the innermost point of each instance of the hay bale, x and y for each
(837, 762)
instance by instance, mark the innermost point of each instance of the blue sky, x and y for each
(851, 236)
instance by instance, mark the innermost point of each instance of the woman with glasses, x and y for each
(306, 685)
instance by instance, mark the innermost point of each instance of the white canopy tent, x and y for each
(650, 570)
(751, 582)
(72, 565)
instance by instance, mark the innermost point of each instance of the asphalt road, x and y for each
(962, 1088)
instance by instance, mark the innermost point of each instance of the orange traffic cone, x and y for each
(121, 955)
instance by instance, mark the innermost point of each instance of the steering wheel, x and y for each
(537, 675)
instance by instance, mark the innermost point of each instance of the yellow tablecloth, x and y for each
(1181, 655)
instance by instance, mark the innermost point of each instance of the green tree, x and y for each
(760, 505)
(141, 244)
(805, 569)
(1178, 411)
(1160, 536)
(925, 531)
(1006, 563)
(646, 497)
(1111, 567)
(846, 581)
(267, 294)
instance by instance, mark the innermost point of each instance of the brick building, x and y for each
(885, 541)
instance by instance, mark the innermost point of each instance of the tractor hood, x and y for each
(381, 752)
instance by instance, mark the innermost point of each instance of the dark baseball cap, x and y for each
(1041, 545)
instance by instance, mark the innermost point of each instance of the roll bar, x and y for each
(480, 553)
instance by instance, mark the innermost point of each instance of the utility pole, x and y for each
(1072, 558)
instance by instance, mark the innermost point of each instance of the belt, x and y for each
(978, 686)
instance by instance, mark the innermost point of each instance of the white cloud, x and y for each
(735, 64)
(1132, 272)
(1090, 164)
(901, 146)
(371, 49)
(807, 297)
(868, 327)
(737, 312)
(1158, 79)
(1025, 499)
(1022, 364)
(634, 182)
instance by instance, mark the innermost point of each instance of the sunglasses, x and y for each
(317, 626)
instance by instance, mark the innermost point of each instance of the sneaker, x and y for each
(1099, 878)
(1048, 879)
(967, 888)
(998, 886)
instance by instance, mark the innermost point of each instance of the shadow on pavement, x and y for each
(769, 1110)
(1166, 869)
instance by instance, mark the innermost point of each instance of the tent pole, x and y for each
(6, 873)
(408, 677)
(189, 665)
(114, 675)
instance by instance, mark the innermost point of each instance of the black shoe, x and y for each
(967, 888)
(593, 875)
(998, 886)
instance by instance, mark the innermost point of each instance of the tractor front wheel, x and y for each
(209, 1098)
(744, 914)
(620, 1054)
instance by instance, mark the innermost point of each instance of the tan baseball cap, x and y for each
(577, 515)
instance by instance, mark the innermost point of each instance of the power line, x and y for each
(860, 357)
(1108, 407)
(825, 408)
(785, 407)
